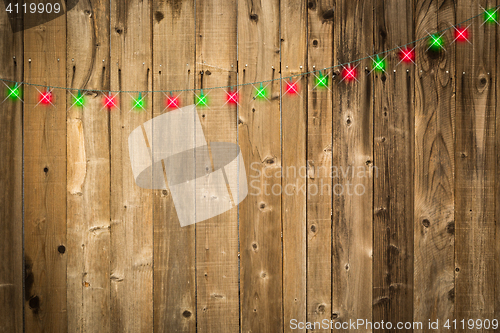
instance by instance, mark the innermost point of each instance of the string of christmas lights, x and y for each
(349, 74)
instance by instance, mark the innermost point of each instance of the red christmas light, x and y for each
(232, 97)
(461, 34)
(349, 73)
(110, 101)
(407, 55)
(292, 88)
(45, 98)
(172, 102)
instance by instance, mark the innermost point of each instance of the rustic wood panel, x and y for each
(475, 162)
(259, 139)
(294, 155)
(352, 152)
(11, 178)
(45, 179)
(497, 180)
(88, 169)
(131, 206)
(434, 167)
(217, 238)
(393, 126)
(319, 163)
(174, 246)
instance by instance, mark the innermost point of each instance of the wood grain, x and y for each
(217, 238)
(131, 206)
(294, 149)
(319, 163)
(45, 179)
(434, 168)
(352, 153)
(393, 126)
(475, 162)
(88, 169)
(11, 169)
(174, 246)
(259, 139)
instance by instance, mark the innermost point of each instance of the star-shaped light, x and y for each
(491, 15)
(406, 55)
(436, 42)
(321, 80)
(110, 101)
(349, 73)
(261, 93)
(201, 99)
(461, 34)
(172, 102)
(232, 97)
(139, 103)
(13, 92)
(45, 98)
(378, 64)
(79, 100)
(292, 87)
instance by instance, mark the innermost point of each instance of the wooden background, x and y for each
(85, 250)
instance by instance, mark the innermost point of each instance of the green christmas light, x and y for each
(379, 65)
(491, 16)
(14, 92)
(139, 103)
(436, 42)
(261, 93)
(321, 81)
(79, 100)
(201, 100)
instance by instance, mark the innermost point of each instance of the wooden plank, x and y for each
(475, 162)
(497, 181)
(45, 178)
(217, 238)
(393, 124)
(352, 154)
(319, 163)
(131, 206)
(259, 139)
(174, 246)
(88, 165)
(11, 210)
(294, 148)
(434, 167)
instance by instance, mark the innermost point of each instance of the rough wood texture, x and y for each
(11, 168)
(393, 126)
(131, 206)
(352, 154)
(434, 167)
(475, 162)
(293, 154)
(88, 169)
(319, 163)
(45, 179)
(259, 139)
(174, 246)
(217, 238)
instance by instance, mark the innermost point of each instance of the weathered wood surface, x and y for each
(319, 164)
(475, 165)
(293, 154)
(259, 139)
(434, 167)
(217, 262)
(174, 247)
(352, 152)
(11, 178)
(393, 137)
(102, 254)
(131, 227)
(88, 169)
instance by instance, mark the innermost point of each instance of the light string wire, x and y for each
(256, 82)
